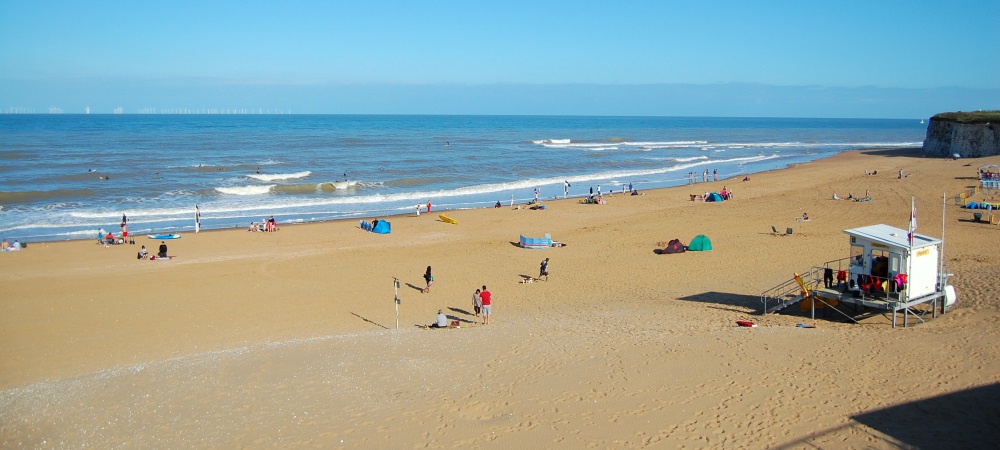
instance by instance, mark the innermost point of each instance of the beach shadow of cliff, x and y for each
(912, 152)
(966, 419)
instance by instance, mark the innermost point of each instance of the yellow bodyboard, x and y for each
(445, 218)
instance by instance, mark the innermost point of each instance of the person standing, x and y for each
(429, 279)
(704, 176)
(418, 209)
(428, 206)
(598, 190)
(477, 302)
(715, 174)
(487, 299)
(543, 271)
(591, 191)
(565, 189)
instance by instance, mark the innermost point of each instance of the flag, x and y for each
(197, 219)
(913, 221)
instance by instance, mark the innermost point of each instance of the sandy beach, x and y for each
(289, 340)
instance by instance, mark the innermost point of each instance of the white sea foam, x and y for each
(245, 190)
(280, 176)
(552, 141)
(600, 146)
(693, 158)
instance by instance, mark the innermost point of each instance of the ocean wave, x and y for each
(280, 176)
(303, 188)
(693, 158)
(246, 190)
(552, 141)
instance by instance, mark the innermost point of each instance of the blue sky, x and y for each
(769, 58)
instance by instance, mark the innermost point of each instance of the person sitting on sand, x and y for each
(850, 196)
(162, 253)
(441, 321)
(15, 246)
(143, 253)
(835, 196)
(110, 239)
(5, 246)
(805, 217)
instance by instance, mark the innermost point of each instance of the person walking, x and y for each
(477, 302)
(543, 271)
(429, 279)
(487, 299)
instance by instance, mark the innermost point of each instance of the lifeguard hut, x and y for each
(885, 272)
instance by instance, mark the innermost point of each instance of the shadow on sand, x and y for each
(966, 419)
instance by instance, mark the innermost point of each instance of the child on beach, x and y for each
(429, 279)
(477, 302)
(543, 271)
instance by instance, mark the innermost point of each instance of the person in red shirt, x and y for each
(487, 298)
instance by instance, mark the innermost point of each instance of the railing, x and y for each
(789, 292)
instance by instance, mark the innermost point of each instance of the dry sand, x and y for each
(288, 339)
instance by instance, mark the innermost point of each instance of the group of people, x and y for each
(693, 177)
(482, 303)
(482, 299)
(10, 247)
(866, 198)
(419, 205)
(267, 225)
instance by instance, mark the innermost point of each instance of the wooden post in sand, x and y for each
(395, 286)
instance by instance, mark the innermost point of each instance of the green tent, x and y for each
(700, 244)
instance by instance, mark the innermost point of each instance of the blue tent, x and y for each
(713, 197)
(381, 227)
(972, 205)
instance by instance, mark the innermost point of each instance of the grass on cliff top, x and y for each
(969, 117)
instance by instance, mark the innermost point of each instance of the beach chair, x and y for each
(774, 231)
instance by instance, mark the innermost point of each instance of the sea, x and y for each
(62, 177)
